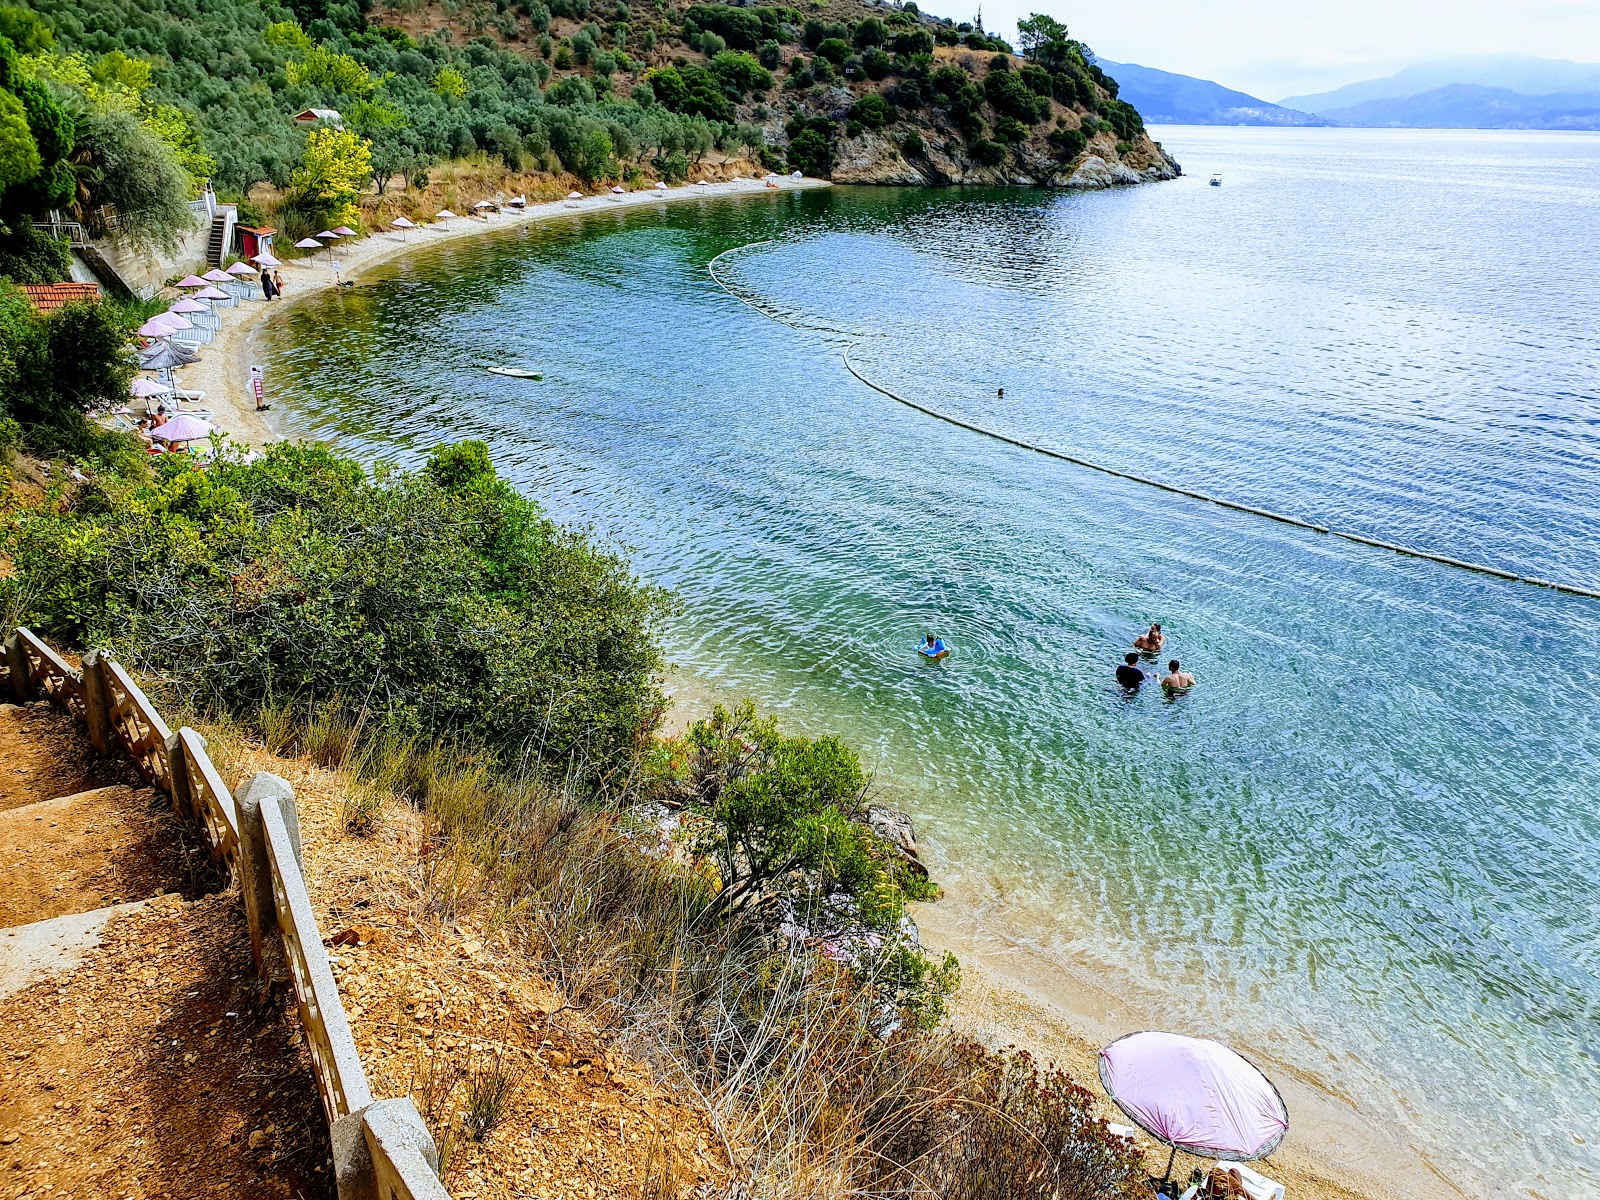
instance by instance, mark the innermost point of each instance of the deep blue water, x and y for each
(1367, 845)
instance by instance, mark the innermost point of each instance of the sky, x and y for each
(1278, 48)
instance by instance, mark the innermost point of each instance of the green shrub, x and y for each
(437, 603)
(911, 144)
(1012, 97)
(876, 63)
(811, 146)
(1009, 129)
(28, 256)
(740, 73)
(872, 111)
(988, 153)
(1068, 143)
(835, 50)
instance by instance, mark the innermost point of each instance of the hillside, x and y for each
(589, 91)
(1469, 106)
(1166, 98)
(1502, 91)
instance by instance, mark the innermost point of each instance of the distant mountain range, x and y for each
(1488, 92)
(1164, 98)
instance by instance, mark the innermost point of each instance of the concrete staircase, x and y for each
(138, 1055)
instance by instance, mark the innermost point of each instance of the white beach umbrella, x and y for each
(484, 204)
(445, 215)
(660, 187)
(518, 201)
(574, 195)
(183, 428)
(616, 189)
(797, 175)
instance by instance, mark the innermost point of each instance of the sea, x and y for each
(1365, 847)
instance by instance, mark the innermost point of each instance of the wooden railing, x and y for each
(381, 1148)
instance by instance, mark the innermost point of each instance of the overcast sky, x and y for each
(1278, 48)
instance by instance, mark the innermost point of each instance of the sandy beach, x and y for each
(1010, 995)
(223, 372)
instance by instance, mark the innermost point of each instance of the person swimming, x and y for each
(1176, 681)
(932, 647)
(1151, 642)
(1128, 673)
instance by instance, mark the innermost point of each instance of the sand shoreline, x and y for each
(223, 371)
(1009, 996)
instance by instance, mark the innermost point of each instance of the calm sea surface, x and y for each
(1368, 843)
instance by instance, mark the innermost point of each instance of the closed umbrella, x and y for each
(165, 356)
(1194, 1094)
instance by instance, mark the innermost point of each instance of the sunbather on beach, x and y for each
(1128, 674)
(1151, 642)
(1176, 681)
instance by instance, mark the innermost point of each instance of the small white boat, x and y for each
(514, 372)
(1216, 181)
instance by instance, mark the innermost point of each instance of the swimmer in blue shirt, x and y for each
(932, 647)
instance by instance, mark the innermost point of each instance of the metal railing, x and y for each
(381, 1148)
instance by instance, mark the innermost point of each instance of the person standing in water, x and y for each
(1129, 675)
(1176, 681)
(1151, 642)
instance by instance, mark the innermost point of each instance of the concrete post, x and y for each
(394, 1130)
(178, 763)
(17, 660)
(96, 702)
(255, 867)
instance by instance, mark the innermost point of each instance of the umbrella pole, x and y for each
(1165, 1178)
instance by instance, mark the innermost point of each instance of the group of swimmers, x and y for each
(1131, 675)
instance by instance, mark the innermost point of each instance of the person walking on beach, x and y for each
(268, 292)
(1129, 675)
(277, 284)
(1176, 681)
(1151, 642)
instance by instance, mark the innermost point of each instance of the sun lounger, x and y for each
(1256, 1184)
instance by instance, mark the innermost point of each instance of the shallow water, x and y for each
(1368, 842)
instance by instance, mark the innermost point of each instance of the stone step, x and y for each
(44, 754)
(83, 852)
(48, 949)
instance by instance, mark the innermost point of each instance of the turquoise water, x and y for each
(1367, 844)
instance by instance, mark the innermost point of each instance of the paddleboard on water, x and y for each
(514, 372)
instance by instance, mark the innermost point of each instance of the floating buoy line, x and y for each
(852, 337)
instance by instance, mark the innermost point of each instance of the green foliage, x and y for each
(337, 165)
(1067, 143)
(55, 369)
(25, 29)
(693, 90)
(28, 256)
(1009, 129)
(1038, 32)
(988, 153)
(325, 71)
(835, 50)
(1124, 118)
(126, 167)
(876, 63)
(1012, 97)
(19, 153)
(740, 73)
(811, 146)
(872, 110)
(870, 32)
(439, 603)
(911, 144)
(744, 28)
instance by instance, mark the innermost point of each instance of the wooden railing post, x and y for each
(96, 702)
(255, 867)
(17, 660)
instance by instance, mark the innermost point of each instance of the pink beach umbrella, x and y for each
(574, 195)
(154, 329)
(212, 293)
(143, 389)
(345, 231)
(328, 235)
(402, 225)
(187, 306)
(191, 281)
(660, 187)
(1195, 1095)
(308, 244)
(216, 276)
(444, 215)
(239, 270)
(266, 260)
(184, 428)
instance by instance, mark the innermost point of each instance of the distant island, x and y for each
(1167, 98)
(1484, 92)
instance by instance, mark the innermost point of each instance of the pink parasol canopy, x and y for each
(183, 428)
(402, 223)
(216, 276)
(189, 306)
(329, 234)
(239, 269)
(191, 281)
(266, 260)
(444, 214)
(1194, 1094)
(345, 231)
(211, 293)
(308, 244)
(143, 388)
